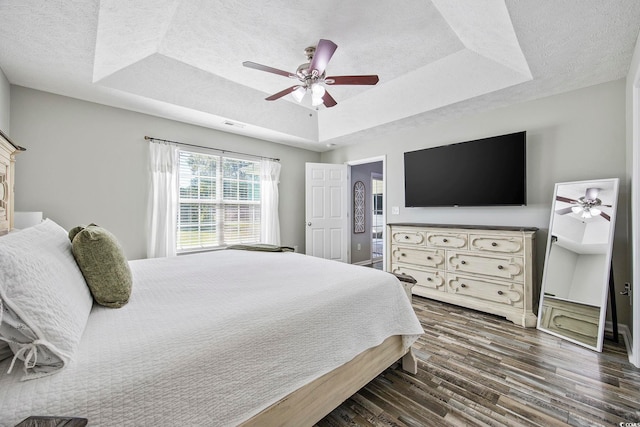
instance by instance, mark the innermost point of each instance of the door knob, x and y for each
(309, 224)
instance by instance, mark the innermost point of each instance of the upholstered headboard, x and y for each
(8, 151)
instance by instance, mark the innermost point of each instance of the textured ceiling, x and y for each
(182, 59)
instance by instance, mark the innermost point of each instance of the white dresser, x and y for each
(490, 269)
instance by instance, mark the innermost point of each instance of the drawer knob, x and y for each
(500, 267)
(429, 258)
(500, 292)
(406, 237)
(445, 240)
(403, 254)
(494, 244)
(463, 262)
(429, 279)
(462, 285)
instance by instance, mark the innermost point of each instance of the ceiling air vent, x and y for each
(234, 124)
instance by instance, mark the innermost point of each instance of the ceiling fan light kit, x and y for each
(312, 76)
(299, 93)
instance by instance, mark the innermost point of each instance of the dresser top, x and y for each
(468, 227)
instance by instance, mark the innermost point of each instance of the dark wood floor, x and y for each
(477, 369)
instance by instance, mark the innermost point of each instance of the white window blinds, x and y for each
(219, 201)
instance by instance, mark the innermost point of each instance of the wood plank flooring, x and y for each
(476, 369)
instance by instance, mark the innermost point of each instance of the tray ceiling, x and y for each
(436, 59)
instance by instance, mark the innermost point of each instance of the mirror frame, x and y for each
(606, 275)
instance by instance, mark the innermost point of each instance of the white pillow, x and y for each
(46, 302)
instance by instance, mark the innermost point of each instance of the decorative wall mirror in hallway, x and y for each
(575, 282)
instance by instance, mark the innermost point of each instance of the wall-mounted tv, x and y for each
(483, 172)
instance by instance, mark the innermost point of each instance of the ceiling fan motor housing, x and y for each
(306, 77)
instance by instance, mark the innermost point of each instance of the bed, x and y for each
(220, 338)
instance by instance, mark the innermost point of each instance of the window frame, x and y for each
(221, 205)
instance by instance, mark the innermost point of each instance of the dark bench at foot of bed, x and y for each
(53, 422)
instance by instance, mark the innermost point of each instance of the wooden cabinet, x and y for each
(483, 268)
(7, 159)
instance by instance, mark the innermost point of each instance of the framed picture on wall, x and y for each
(358, 207)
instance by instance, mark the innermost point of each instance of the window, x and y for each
(219, 201)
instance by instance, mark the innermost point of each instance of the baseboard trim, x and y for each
(365, 262)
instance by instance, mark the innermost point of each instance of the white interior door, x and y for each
(326, 211)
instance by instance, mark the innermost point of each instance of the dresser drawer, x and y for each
(511, 294)
(501, 267)
(408, 237)
(431, 279)
(432, 258)
(447, 240)
(497, 244)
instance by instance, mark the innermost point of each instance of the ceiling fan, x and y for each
(312, 76)
(587, 206)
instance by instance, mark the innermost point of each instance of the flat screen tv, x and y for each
(483, 172)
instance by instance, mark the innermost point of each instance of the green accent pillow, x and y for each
(103, 265)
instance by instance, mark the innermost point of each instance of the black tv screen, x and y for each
(483, 172)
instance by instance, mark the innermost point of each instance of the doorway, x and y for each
(367, 237)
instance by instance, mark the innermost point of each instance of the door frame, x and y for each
(350, 163)
(634, 355)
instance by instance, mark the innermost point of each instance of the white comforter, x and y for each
(212, 339)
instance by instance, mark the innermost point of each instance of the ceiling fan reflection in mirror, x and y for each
(587, 206)
(312, 76)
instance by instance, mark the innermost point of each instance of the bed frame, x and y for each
(310, 403)
(305, 406)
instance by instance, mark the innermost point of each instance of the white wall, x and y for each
(560, 270)
(574, 136)
(5, 97)
(87, 162)
(589, 272)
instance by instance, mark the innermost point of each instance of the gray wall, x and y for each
(5, 99)
(573, 136)
(88, 163)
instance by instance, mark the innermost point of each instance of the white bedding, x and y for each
(214, 338)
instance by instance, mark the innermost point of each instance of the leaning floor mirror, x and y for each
(575, 279)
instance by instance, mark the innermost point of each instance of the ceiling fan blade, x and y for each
(328, 100)
(565, 199)
(261, 67)
(352, 80)
(605, 216)
(324, 52)
(282, 93)
(563, 211)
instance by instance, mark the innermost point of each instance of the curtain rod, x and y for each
(150, 138)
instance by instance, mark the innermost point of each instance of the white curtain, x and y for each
(163, 200)
(269, 219)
